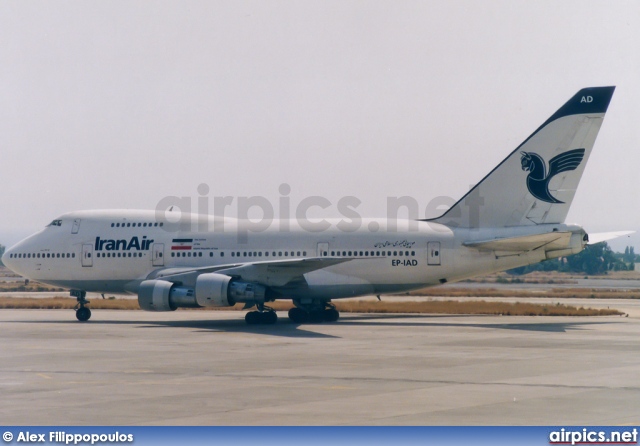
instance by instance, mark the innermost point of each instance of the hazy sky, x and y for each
(117, 104)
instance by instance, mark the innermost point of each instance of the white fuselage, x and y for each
(114, 251)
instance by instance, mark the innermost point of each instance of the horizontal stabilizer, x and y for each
(550, 240)
(604, 236)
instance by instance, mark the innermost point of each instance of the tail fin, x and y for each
(536, 183)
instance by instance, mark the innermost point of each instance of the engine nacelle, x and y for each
(212, 290)
(161, 295)
(218, 290)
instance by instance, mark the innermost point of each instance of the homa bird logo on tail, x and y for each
(538, 178)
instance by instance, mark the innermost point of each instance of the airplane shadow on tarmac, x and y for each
(284, 328)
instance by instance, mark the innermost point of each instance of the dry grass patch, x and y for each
(474, 307)
(61, 303)
(35, 287)
(428, 307)
(568, 293)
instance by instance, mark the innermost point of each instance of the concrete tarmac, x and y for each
(209, 368)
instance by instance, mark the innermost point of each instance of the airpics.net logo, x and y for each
(257, 213)
(590, 436)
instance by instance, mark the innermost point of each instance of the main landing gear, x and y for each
(314, 314)
(82, 313)
(264, 316)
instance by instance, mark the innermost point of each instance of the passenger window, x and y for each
(221, 254)
(112, 225)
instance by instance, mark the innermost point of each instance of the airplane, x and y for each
(515, 216)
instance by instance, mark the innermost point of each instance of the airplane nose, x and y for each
(7, 258)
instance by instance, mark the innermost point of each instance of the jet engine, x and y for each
(211, 290)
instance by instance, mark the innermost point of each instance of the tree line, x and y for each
(594, 259)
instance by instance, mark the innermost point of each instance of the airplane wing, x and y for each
(269, 273)
(553, 240)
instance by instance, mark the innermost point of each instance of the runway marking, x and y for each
(339, 388)
(42, 375)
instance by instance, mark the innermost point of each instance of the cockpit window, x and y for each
(55, 223)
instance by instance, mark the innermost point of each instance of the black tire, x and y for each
(252, 318)
(83, 314)
(331, 315)
(316, 316)
(269, 317)
(298, 315)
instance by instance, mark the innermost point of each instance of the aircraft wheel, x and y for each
(316, 316)
(331, 315)
(252, 318)
(269, 317)
(298, 315)
(83, 314)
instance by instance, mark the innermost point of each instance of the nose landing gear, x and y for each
(82, 313)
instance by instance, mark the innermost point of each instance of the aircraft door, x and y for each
(87, 254)
(433, 253)
(323, 249)
(76, 226)
(158, 254)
